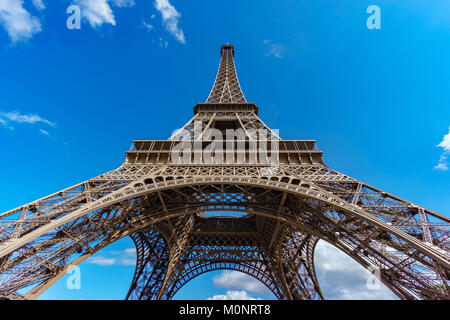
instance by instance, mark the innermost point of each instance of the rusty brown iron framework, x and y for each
(165, 206)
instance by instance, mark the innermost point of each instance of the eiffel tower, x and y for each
(191, 208)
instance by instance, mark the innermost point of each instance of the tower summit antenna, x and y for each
(226, 87)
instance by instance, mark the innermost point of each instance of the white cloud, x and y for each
(446, 142)
(102, 261)
(7, 119)
(44, 132)
(126, 257)
(342, 278)
(163, 43)
(99, 12)
(234, 295)
(96, 12)
(442, 164)
(148, 26)
(123, 3)
(130, 251)
(38, 4)
(382, 294)
(443, 160)
(170, 17)
(239, 281)
(273, 49)
(18, 22)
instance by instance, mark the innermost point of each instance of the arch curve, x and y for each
(227, 266)
(294, 211)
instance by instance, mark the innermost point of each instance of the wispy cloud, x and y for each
(239, 281)
(162, 43)
(123, 3)
(102, 261)
(44, 132)
(148, 26)
(126, 257)
(234, 295)
(96, 12)
(9, 119)
(171, 18)
(38, 4)
(274, 49)
(442, 164)
(99, 12)
(18, 22)
(443, 160)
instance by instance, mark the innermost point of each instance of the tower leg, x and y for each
(157, 259)
(152, 258)
(179, 238)
(296, 263)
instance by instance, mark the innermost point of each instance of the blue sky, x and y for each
(72, 101)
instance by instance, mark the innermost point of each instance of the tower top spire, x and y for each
(226, 88)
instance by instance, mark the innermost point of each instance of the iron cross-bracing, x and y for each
(225, 192)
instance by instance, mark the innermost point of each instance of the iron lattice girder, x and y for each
(290, 152)
(229, 200)
(255, 198)
(226, 88)
(150, 198)
(231, 249)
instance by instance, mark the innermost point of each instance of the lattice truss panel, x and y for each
(226, 87)
(164, 207)
(408, 243)
(249, 122)
(216, 244)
